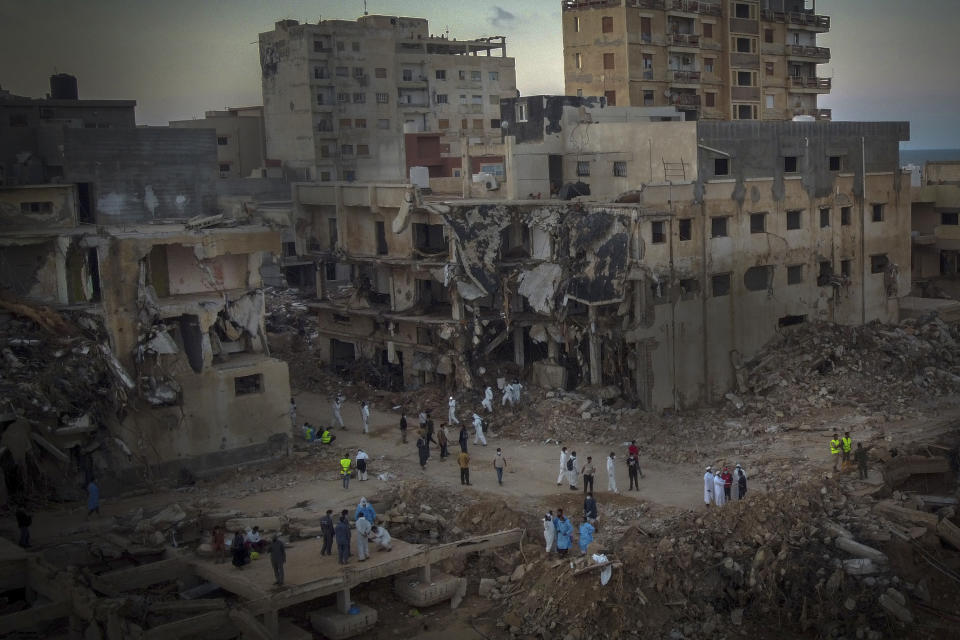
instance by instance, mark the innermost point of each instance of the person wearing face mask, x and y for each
(499, 463)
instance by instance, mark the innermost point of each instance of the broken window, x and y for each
(721, 166)
(835, 163)
(845, 216)
(824, 217)
(381, 238)
(878, 212)
(718, 227)
(720, 284)
(425, 336)
(787, 321)
(845, 268)
(428, 239)
(948, 218)
(685, 228)
(515, 241)
(826, 272)
(658, 234)
(620, 169)
(689, 288)
(583, 167)
(795, 274)
(878, 263)
(793, 219)
(245, 385)
(758, 222)
(790, 164)
(758, 278)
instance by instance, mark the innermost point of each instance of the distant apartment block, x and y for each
(241, 145)
(714, 59)
(339, 96)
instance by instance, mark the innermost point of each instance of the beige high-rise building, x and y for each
(339, 95)
(714, 59)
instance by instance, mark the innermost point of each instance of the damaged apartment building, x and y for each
(699, 241)
(112, 233)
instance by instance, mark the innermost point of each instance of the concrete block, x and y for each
(424, 594)
(338, 626)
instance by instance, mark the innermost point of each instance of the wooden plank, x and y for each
(144, 575)
(28, 618)
(188, 626)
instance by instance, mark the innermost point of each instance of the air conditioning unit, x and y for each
(487, 180)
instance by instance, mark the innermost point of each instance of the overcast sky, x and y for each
(891, 59)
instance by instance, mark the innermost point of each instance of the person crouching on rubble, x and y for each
(380, 537)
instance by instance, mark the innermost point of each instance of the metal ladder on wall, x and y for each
(674, 170)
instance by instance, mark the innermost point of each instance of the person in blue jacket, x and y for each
(366, 509)
(564, 533)
(586, 536)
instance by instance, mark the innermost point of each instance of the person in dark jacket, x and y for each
(278, 556)
(590, 507)
(238, 550)
(741, 483)
(403, 427)
(442, 440)
(424, 450)
(24, 520)
(326, 529)
(463, 438)
(342, 531)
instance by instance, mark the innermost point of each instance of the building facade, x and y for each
(714, 59)
(936, 226)
(339, 95)
(241, 141)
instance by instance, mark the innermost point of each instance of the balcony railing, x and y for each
(648, 4)
(687, 99)
(819, 114)
(808, 52)
(822, 84)
(794, 18)
(695, 6)
(569, 5)
(683, 40)
(686, 76)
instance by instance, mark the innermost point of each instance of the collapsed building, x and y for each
(698, 242)
(125, 271)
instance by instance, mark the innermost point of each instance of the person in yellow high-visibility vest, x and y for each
(835, 448)
(326, 437)
(345, 463)
(847, 448)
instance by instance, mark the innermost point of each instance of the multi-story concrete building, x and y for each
(715, 59)
(936, 226)
(338, 96)
(660, 284)
(241, 142)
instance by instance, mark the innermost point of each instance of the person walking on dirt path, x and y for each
(463, 438)
(361, 463)
(293, 413)
(563, 466)
(588, 473)
(93, 498)
(452, 411)
(342, 533)
(573, 470)
(718, 495)
(727, 483)
(337, 405)
(835, 448)
(708, 486)
(423, 449)
(741, 483)
(590, 507)
(278, 557)
(633, 467)
(463, 461)
(564, 533)
(345, 463)
(443, 441)
(429, 433)
(499, 463)
(366, 510)
(326, 530)
(403, 428)
(478, 436)
(549, 531)
(487, 401)
(860, 456)
(612, 473)
(586, 536)
(365, 416)
(847, 445)
(363, 530)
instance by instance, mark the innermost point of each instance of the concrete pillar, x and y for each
(343, 601)
(320, 281)
(518, 346)
(594, 343)
(425, 573)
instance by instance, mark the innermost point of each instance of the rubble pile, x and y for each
(790, 559)
(880, 367)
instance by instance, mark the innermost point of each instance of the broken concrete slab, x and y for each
(860, 550)
(898, 469)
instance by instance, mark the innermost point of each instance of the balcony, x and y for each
(571, 5)
(800, 84)
(684, 40)
(819, 114)
(808, 20)
(814, 53)
(691, 6)
(686, 100)
(745, 94)
(686, 77)
(742, 25)
(745, 60)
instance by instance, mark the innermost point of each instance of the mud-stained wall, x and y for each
(35, 207)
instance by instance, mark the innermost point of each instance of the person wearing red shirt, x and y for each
(633, 449)
(727, 482)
